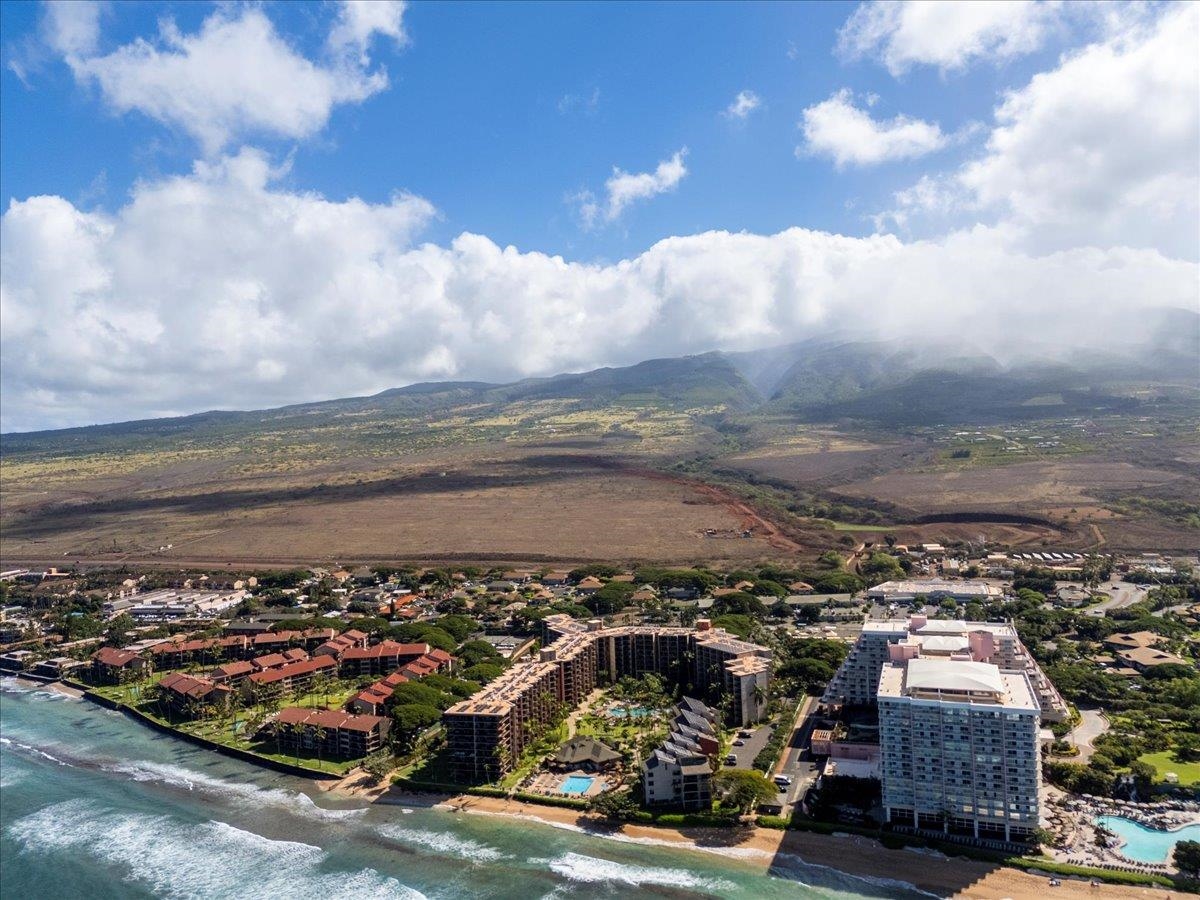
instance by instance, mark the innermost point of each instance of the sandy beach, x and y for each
(927, 870)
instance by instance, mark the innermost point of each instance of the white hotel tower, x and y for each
(959, 724)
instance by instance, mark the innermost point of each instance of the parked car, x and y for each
(739, 743)
(731, 759)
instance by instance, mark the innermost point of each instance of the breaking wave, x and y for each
(30, 750)
(209, 860)
(180, 777)
(10, 685)
(590, 870)
(443, 842)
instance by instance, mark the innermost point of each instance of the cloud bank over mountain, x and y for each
(227, 286)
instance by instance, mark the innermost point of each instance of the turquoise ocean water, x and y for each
(93, 805)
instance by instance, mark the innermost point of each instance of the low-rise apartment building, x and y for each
(111, 665)
(679, 772)
(187, 695)
(330, 732)
(292, 678)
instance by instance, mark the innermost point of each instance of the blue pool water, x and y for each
(634, 712)
(1146, 844)
(575, 784)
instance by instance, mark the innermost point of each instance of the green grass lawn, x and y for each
(221, 730)
(1188, 772)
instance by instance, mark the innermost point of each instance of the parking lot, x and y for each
(751, 747)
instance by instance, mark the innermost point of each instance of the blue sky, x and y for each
(497, 113)
(889, 135)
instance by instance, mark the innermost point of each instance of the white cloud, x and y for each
(236, 76)
(948, 35)
(72, 28)
(743, 104)
(625, 188)
(849, 136)
(360, 20)
(219, 288)
(1101, 150)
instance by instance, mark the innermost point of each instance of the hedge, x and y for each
(779, 823)
(483, 790)
(565, 802)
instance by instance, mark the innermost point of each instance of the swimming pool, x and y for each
(576, 784)
(633, 712)
(1143, 844)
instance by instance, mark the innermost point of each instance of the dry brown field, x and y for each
(483, 503)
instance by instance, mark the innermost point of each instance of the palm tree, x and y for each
(759, 694)
(319, 734)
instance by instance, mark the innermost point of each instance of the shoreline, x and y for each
(855, 856)
(859, 857)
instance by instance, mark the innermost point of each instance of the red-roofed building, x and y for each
(232, 672)
(268, 661)
(383, 657)
(294, 677)
(330, 732)
(373, 700)
(445, 662)
(187, 694)
(111, 665)
(334, 647)
(274, 641)
(418, 668)
(315, 637)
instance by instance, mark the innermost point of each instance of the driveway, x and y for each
(1092, 724)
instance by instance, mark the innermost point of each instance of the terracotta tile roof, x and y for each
(233, 669)
(386, 648)
(190, 686)
(270, 676)
(112, 656)
(329, 718)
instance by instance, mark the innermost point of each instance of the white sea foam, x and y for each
(879, 881)
(210, 860)
(30, 750)
(443, 842)
(11, 685)
(591, 870)
(180, 777)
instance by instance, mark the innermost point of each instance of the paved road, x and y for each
(1092, 724)
(796, 759)
(1121, 594)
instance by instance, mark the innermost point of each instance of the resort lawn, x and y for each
(229, 729)
(1188, 772)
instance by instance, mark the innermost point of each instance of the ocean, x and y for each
(94, 805)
